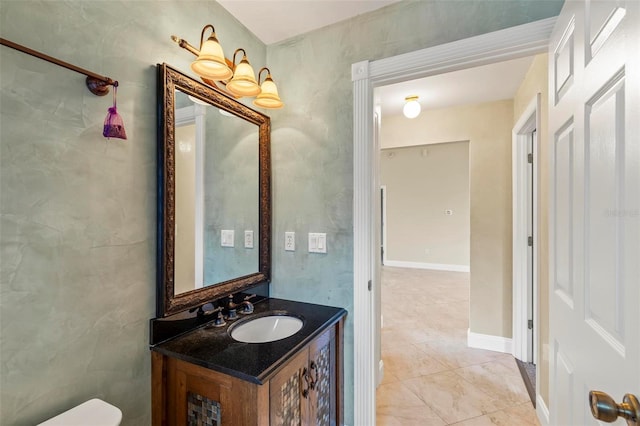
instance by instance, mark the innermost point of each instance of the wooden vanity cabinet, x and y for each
(307, 390)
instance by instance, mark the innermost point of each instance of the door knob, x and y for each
(604, 408)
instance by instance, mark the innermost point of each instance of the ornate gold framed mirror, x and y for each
(214, 194)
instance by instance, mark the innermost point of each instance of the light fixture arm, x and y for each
(244, 55)
(213, 33)
(260, 73)
(185, 45)
(190, 48)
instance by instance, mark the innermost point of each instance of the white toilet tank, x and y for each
(94, 412)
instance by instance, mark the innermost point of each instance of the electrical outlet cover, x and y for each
(227, 237)
(248, 239)
(290, 241)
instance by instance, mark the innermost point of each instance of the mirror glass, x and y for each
(214, 194)
(216, 180)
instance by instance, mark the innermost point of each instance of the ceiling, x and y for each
(486, 83)
(276, 20)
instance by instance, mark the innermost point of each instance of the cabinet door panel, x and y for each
(206, 397)
(288, 406)
(198, 400)
(322, 361)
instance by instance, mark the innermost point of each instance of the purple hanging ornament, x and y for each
(113, 125)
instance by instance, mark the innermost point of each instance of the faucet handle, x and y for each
(231, 308)
(219, 321)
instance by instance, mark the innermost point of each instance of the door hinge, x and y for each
(530, 158)
(530, 324)
(369, 285)
(530, 241)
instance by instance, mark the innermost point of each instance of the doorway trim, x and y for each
(383, 239)
(523, 40)
(528, 122)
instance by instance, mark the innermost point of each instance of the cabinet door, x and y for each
(289, 403)
(200, 396)
(194, 400)
(322, 369)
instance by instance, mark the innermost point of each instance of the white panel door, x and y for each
(594, 116)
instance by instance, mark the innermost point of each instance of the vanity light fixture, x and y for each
(412, 108)
(239, 80)
(244, 81)
(268, 97)
(211, 62)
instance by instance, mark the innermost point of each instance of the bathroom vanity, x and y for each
(214, 361)
(206, 377)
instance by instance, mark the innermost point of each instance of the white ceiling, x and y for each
(487, 83)
(276, 20)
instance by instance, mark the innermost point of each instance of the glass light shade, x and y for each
(268, 97)
(244, 81)
(211, 63)
(411, 109)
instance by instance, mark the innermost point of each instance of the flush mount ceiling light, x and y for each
(214, 68)
(412, 108)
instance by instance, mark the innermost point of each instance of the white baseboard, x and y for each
(420, 265)
(489, 342)
(542, 411)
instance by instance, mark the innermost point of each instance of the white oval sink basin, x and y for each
(266, 329)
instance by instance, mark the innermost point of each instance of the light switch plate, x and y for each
(317, 242)
(248, 239)
(290, 241)
(227, 237)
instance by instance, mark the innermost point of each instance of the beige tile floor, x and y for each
(431, 377)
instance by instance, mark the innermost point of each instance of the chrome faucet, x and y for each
(246, 307)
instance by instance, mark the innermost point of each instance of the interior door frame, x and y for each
(528, 122)
(515, 42)
(195, 115)
(383, 239)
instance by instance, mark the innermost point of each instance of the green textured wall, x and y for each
(77, 235)
(312, 137)
(79, 212)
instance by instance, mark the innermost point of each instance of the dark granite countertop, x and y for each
(213, 348)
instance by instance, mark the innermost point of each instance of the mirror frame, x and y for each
(168, 303)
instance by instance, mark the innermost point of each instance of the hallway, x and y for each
(431, 377)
